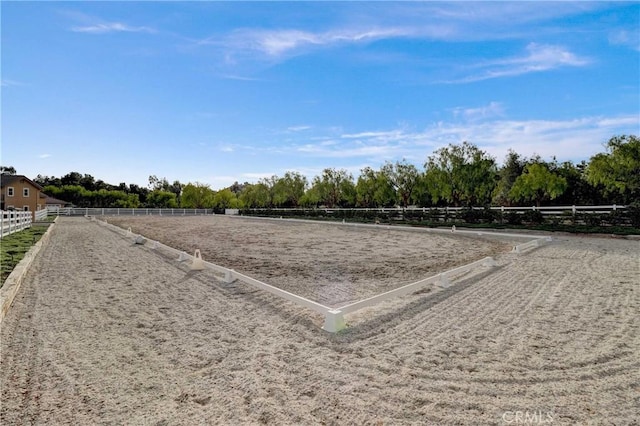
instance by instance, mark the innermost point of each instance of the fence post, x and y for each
(573, 209)
(614, 207)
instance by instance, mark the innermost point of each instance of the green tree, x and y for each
(461, 174)
(335, 188)
(255, 195)
(7, 170)
(374, 189)
(579, 191)
(197, 196)
(537, 183)
(403, 177)
(510, 171)
(226, 199)
(47, 181)
(162, 184)
(74, 194)
(421, 195)
(159, 199)
(287, 190)
(72, 178)
(112, 198)
(311, 197)
(618, 170)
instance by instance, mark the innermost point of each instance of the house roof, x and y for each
(52, 200)
(9, 179)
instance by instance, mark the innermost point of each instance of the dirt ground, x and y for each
(104, 331)
(328, 264)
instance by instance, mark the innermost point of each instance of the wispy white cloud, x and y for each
(11, 83)
(298, 128)
(628, 38)
(538, 57)
(493, 109)
(44, 156)
(238, 77)
(256, 176)
(275, 43)
(574, 139)
(111, 27)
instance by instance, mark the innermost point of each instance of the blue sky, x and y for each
(217, 92)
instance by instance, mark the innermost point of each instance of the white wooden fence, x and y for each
(543, 209)
(92, 211)
(14, 221)
(41, 214)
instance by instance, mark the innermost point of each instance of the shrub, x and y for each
(513, 218)
(533, 217)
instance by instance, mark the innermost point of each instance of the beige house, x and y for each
(20, 193)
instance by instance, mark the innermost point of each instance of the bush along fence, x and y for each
(552, 218)
(14, 221)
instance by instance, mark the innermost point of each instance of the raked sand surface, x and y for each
(104, 331)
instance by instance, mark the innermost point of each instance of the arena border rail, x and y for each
(333, 317)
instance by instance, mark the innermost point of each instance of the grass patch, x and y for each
(50, 218)
(13, 248)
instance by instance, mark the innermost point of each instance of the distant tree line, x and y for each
(456, 175)
(461, 175)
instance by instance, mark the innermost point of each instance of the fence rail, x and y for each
(41, 214)
(604, 216)
(112, 211)
(14, 221)
(92, 211)
(543, 209)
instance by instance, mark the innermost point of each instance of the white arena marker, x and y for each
(183, 256)
(453, 228)
(490, 262)
(444, 281)
(334, 321)
(129, 232)
(228, 276)
(198, 263)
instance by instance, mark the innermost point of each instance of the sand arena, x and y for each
(105, 331)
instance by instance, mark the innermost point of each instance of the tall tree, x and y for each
(403, 177)
(579, 191)
(197, 196)
(537, 183)
(7, 170)
(512, 168)
(461, 174)
(335, 188)
(618, 170)
(159, 199)
(255, 195)
(72, 178)
(374, 189)
(288, 190)
(226, 199)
